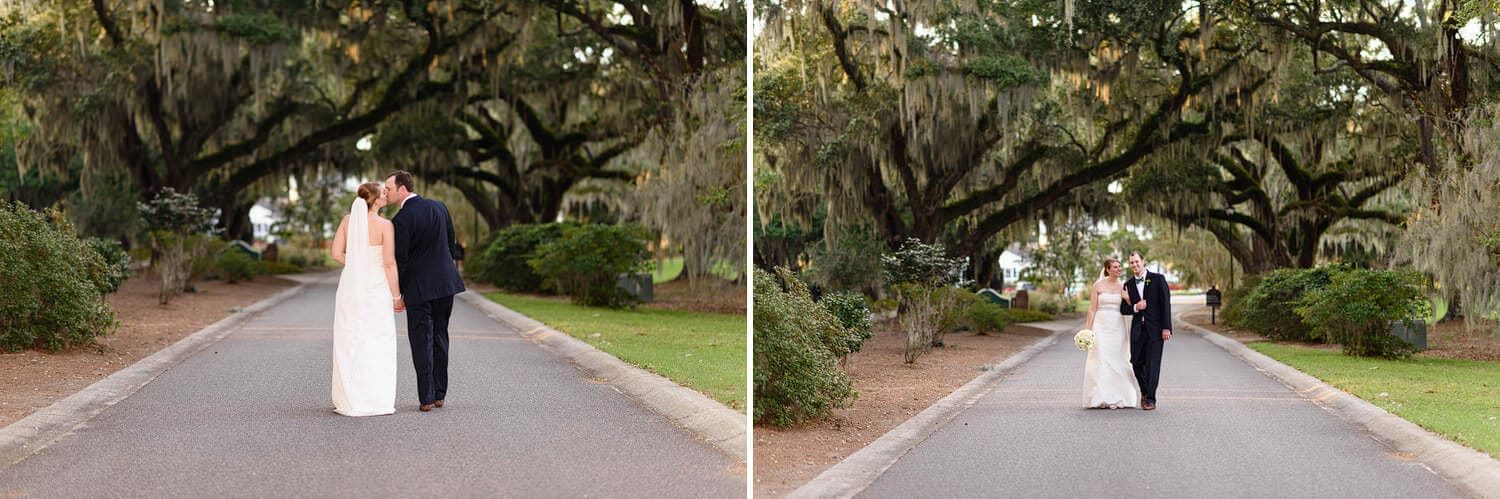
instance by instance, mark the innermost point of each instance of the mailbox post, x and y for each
(1213, 297)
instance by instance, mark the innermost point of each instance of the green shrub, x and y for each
(586, 261)
(796, 376)
(1356, 308)
(140, 253)
(884, 305)
(205, 251)
(504, 262)
(1270, 308)
(275, 268)
(304, 258)
(52, 283)
(986, 317)
(922, 263)
(116, 262)
(853, 312)
(849, 262)
(1018, 315)
(1233, 310)
(177, 228)
(926, 315)
(234, 266)
(955, 305)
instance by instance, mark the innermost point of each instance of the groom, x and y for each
(1150, 325)
(429, 279)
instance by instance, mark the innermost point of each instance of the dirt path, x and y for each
(890, 392)
(33, 380)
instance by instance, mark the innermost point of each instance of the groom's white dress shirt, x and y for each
(409, 195)
(1140, 285)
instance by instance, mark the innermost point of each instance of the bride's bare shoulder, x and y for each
(379, 220)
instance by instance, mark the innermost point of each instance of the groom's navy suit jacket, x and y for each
(424, 251)
(1158, 313)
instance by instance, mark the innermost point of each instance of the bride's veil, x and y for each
(357, 244)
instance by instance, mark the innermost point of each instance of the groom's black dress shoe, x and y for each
(438, 403)
(425, 407)
(1148, 406)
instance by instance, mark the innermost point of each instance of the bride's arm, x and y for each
(388, 258)
(1088, 320)
(338, 240)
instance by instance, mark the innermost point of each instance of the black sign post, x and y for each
(1213, 297)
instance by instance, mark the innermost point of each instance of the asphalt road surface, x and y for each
(1222, 429)
(251, 416)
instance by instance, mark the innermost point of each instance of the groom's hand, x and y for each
(1140, 305)
(1166, 334)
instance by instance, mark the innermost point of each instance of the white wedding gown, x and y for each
(1108, 378)
(364, 328)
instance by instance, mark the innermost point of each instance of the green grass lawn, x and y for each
(705, 352)
(668, 269)
(1459, 399)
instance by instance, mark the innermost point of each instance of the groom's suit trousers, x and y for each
(1145, 356)
(427, 330)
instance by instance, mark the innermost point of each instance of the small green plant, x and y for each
(586, 261)
(850, 261)
(922, 263)
(234, 266)
(987, 317)
(796, 377)
(116, 262)
(1018, 315)
(275, 268)
(178, 230)
(926, 316)
(853, 311)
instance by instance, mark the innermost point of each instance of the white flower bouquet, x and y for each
(1084, 339)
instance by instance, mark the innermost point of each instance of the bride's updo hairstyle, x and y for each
(369, 191)
(1104, 272)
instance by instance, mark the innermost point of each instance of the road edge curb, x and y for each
(1475, 472)
(712, 422)
(36, 431)
(856, 472)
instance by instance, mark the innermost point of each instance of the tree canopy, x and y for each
(517, 105)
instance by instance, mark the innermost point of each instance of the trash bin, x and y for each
(1413, 332)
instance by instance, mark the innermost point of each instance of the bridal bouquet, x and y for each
(1084, 339)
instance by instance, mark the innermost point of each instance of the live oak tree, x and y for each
(1316, 155)
(214, 97)
(633, 106)
(961, 120)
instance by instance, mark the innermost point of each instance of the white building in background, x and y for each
(261, 218)
(1014, 262)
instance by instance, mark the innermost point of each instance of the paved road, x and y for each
(250, 416)
(1221, 429)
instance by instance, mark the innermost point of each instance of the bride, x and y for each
(364, 320)
(1108, 379)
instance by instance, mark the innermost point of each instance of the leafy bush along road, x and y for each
(798, 343)
(52, 283)
(1332, 304)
